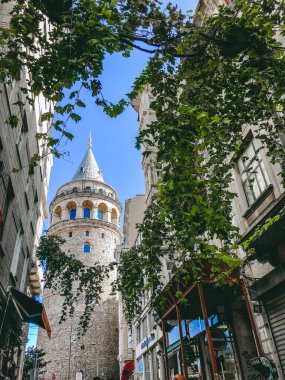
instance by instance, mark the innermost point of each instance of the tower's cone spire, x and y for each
(90, 141)
(88, 168)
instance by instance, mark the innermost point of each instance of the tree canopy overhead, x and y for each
(208, 82)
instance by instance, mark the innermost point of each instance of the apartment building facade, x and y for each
(23, 199)
(247, 320)
(232, 332)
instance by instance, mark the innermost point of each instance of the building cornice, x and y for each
(67, 195)
(81, 222)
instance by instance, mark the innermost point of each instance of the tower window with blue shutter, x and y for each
(86, 248)
(73, 213)
(86, 213)
(100, 214)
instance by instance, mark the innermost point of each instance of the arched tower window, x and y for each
(86, 213)
(86, 248)
(114, 216)
(71, 206)
(58, 212)
(87, 207)
(72, 213)
(102, 211)
(87, 188)
(100, 214)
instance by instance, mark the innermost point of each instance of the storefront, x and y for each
(211, 335)
(149, 359)
(269, 290)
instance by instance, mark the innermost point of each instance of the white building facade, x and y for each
(23, 200)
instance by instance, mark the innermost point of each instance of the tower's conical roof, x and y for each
(88, 168)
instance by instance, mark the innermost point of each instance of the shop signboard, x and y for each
(174, 336)
(145, 344)
(197, 326)
(147, 341)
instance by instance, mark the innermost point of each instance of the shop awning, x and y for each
(171, 350)
(31, 310)
(127, 370)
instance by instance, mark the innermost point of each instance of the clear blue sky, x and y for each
(113, 139)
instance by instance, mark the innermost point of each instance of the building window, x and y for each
(16, 253)
(100, 214)
(86, 248)
(144, 327)
(74, 190)
(102, 235)
(86, 233)
(70, 234)
(88, 188)
(253, 174)
(1, 168)
(73, 213)
(138, 333)
(82, 169)
(6, 205)
(86, 213)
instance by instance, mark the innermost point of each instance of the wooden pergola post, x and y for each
(182, 345)
(165, 351)
(208, 332)
(251, 321)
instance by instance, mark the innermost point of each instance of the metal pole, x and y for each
(182, 343)
(165, 351)
(208, 332)
(251, 320)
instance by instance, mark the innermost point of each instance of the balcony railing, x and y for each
(76, 190)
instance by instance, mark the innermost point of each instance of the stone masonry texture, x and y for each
(96, 352)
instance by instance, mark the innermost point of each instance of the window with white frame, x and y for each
(144, 327)
(253, 173)
(16, 253)
(138, 333)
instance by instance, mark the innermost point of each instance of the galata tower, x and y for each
(86, 213)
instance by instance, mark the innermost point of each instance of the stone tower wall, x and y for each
(95, 353)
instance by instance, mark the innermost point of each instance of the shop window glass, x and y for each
(73, 213)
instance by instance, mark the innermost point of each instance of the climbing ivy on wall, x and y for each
(74, 280)
(208, 82)
(231, 76)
